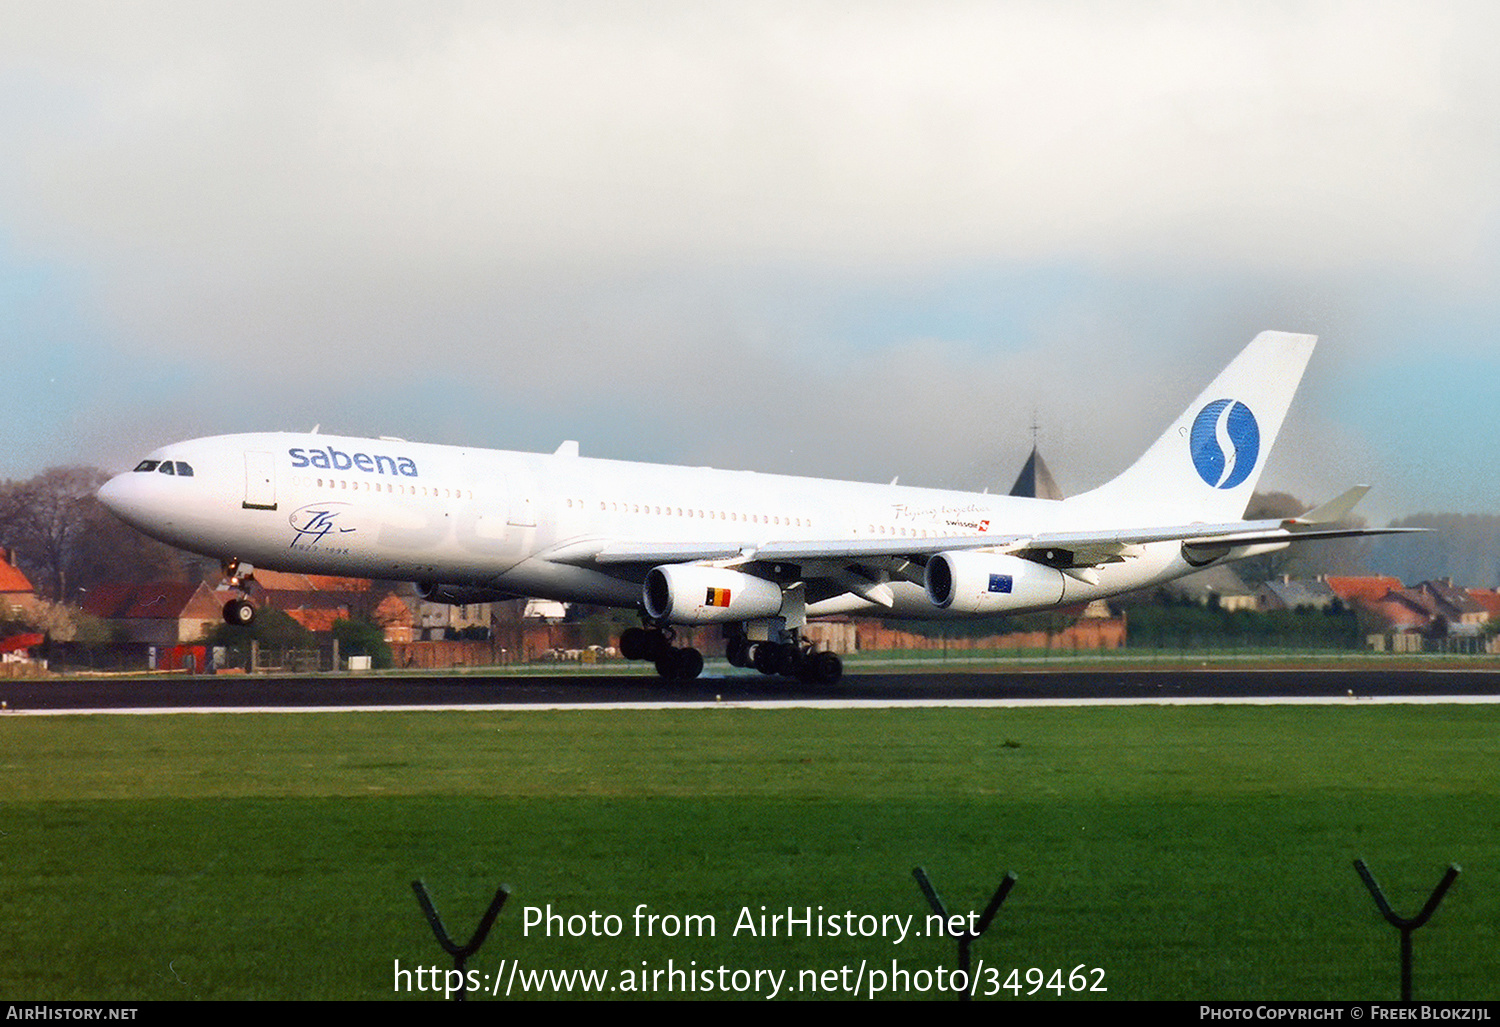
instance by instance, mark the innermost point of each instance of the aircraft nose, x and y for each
(110, 493)
(123, 496)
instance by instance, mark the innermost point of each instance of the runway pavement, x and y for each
(239, 692)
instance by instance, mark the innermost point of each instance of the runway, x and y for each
(476, 691)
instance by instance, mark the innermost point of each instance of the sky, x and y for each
(846, 240)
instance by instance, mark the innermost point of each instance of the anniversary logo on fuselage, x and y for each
(318, 527)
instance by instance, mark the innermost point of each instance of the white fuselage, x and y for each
(527, 523)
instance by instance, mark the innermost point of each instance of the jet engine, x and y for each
(681, 593)
(460, 595)
(967, 582)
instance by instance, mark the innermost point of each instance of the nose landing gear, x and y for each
(239, 610)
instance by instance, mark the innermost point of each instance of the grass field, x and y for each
(1188, 852)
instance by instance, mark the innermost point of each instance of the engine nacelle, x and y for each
(460, 595)
(681, 593)
(967, 582)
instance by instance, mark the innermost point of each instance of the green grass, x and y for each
(1191, 852)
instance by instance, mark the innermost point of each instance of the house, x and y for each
(1460, 613)
(316, 601)
(1362, 591)
(1212, 585)
(161, 613)
(1291, 594)
(1437, 608)
(395, 618)
(1403, 610)
(1489, 599)
(16, 592)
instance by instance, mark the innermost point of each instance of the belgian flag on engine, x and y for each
(717, 597)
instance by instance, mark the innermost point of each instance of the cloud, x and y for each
(469, 217)
(280, 138)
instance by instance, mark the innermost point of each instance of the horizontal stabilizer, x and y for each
(1335, 509)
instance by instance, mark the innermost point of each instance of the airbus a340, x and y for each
(756, 553)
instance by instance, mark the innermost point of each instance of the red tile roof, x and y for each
(154, 600)
(1488, 598)
(1367, 589)
(11, 578)
(281, 580)
(285, 580)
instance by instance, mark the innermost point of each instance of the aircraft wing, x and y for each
(1056, 548)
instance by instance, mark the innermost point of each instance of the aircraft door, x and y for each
(260, 481)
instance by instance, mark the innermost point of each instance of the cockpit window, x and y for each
(165, 468)
(184, 470)
(147, 465)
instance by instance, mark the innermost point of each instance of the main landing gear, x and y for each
(673, 663)
(794, 659)
(239, 610)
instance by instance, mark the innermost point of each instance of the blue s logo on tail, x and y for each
(1225, 443)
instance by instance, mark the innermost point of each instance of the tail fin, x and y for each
(1206, 465)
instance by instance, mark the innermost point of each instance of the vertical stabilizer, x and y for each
(1206, 465)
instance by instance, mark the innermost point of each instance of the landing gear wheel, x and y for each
(679, 664)
(644, 643)
(807, 667)
(827, 668)
(787, 660)
(737, 652)
(239, 611)
(689, 664)
(634, 643)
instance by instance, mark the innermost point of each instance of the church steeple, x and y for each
(1035, 480)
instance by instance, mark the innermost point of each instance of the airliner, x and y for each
(757, 554)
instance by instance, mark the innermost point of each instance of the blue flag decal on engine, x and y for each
(1001, 582)
(1225, 443)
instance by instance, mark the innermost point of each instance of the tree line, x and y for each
(65, 541)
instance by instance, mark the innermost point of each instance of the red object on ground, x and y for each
(14, 642)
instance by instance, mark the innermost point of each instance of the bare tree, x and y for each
(66, 540)
(52, 521)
